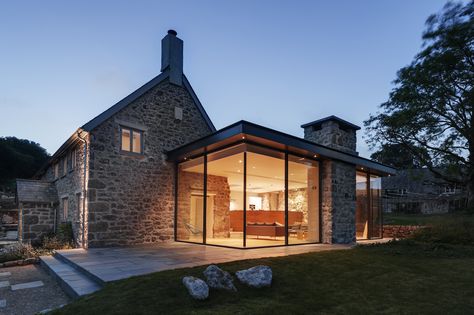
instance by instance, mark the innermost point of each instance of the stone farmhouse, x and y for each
(419, 191)
(153, 168)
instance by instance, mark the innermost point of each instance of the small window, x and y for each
(131, 140)
(65, 208)
(402, 191)
(69, 160)
(56, 170)
(64, 165)
(78, 206)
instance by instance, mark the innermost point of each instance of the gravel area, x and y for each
(29, 300)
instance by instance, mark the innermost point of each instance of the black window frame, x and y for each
(132, 131)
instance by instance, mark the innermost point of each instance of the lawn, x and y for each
(397, 278)
(416, 219)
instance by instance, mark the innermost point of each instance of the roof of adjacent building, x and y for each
(36, 191)
(342, 123)
(247, 132)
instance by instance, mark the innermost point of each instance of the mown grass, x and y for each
(402, 277)
(417, 219)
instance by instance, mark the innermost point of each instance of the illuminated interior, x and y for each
(247, 203)
(368, 206)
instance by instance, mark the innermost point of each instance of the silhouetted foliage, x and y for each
(429, 112)
(19, 158)
(397, 156)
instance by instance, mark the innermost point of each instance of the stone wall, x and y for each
(36, 221)
(400, 231)
(332, 136)
(131, 197)
(338, 202)
(218, 189)
(70, 186)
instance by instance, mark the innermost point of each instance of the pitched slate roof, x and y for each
(35, 191)
(139, 92)
(96, 121)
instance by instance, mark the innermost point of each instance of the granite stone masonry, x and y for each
(131, 197)
(37, 220)
(218, 189)
(119, 179)
(338, 202)
(330, 134)
(69, 183)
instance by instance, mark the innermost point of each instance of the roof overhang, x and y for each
(246, 132)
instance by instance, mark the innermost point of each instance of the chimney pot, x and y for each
(172, 57)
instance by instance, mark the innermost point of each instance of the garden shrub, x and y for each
(457, 230)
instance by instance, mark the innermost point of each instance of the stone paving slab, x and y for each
(5, 274)
(27, 285)
(4, 284)
(30, 301)
(110, 264)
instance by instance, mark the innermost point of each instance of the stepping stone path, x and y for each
(27, 285)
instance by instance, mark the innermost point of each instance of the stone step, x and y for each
(86, 272)
(73, 281)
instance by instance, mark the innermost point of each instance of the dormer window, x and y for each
(131, 140)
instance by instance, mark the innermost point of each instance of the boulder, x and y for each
(257, 277)
(219, 279)
(197, 288)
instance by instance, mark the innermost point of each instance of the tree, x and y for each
(396, 155)
(19, 158)
(429, 110)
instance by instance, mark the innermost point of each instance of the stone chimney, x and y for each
(172, 57)
(332, 132)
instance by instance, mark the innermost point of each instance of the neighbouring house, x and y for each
(418, 190)
(153, 168)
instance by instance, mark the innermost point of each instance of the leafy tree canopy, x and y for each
(429, 111)
(397, 156)
(19, 158)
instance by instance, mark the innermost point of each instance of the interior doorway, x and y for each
(197, 216)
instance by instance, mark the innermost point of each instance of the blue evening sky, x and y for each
(276, 63)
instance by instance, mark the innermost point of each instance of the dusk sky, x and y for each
(276, 63)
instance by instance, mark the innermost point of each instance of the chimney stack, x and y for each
(172, 57)
(332, 132)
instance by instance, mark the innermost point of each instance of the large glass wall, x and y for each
(362, 206)
(265, 198)
(376, 206)
(225, 190)
(190, 214)
(368, 209)
(248, 199)
(303, 200)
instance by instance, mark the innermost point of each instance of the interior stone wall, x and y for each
(131, 197)
(218, 188)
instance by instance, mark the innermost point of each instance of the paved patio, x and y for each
(109, 264)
